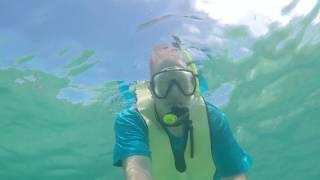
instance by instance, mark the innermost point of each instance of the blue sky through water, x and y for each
(109, 27)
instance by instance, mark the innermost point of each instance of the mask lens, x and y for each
(163, 81)
(186, 81)
(160, 85)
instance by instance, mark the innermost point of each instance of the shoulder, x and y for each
(216, 116)
(213, 109)
(129, 117)
(219, 125)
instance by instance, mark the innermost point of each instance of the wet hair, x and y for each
(164, 56)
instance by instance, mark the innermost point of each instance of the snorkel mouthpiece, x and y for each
(177, 116)
(170, 119)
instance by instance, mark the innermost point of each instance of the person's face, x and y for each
(173, 86)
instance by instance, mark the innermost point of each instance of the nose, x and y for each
(174, 90)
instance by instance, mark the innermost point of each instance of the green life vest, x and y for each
(201, 166)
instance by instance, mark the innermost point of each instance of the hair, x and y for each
(164, 56)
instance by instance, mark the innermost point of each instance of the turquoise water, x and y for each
(56, 118)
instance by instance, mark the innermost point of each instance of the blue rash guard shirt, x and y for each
(131, 135)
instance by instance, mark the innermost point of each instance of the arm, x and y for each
(137, 168)
(238, 177)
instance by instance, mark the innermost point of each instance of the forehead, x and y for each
(171, 64)
(172, 68)
(172, 73)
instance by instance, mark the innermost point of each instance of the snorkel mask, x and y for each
(163, 81)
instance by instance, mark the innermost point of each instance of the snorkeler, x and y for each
(172, 132)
